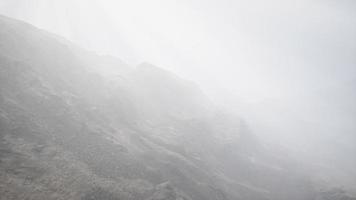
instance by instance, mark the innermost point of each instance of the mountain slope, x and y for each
(74, 125)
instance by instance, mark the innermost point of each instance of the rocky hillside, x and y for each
(74, 125)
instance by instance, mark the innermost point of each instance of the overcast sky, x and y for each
(255, 49)
(285, 57)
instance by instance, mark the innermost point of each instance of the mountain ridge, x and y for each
(73, 130)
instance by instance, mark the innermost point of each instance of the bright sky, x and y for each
(255, 49)
(278, 54)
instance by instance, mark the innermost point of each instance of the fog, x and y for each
(287, 67)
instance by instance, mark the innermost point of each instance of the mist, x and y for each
(287, 68)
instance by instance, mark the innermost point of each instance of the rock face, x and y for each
(165, 191)
(334, 194)
(74, 125)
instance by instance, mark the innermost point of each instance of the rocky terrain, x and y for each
(75, 125)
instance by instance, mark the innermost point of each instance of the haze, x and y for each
(288, 67)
